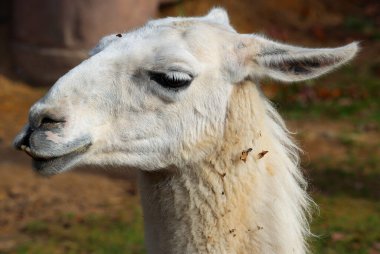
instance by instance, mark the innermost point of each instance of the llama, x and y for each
(179, 100)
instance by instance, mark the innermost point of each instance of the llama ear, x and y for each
(218, 15)
(289, 63)
(104, 42)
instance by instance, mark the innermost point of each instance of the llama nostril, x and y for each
(47, 120)
(48, 123)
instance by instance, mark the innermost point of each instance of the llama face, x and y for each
(145, 98)
(136, 101)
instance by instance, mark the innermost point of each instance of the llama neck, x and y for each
(222, 204)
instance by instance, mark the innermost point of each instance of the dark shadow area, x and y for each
(335, 182)
(5, 30)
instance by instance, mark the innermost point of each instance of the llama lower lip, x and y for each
(54, 165)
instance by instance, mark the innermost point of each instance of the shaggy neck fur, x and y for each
(225, 205)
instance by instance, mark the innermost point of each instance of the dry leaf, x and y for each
(262, 154)
(244, 154)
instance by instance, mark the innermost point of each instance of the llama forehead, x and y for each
(171, 38)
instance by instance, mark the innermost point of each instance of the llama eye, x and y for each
(171, 80)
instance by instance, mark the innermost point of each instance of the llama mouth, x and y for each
(55, 164)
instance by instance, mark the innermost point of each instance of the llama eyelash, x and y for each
(179, 76)
(171, 80)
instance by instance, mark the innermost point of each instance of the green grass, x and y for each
(122, 233)
(346, 225)
(348, 195)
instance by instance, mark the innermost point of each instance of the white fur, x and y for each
(184, 141)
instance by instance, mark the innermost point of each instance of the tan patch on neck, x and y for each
(270, 169)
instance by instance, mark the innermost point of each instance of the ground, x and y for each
(336, 121)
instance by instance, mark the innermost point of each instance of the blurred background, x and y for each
(336, 120)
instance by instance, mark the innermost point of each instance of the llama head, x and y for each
(145, 97)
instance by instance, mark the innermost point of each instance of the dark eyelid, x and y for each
(168, 82)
